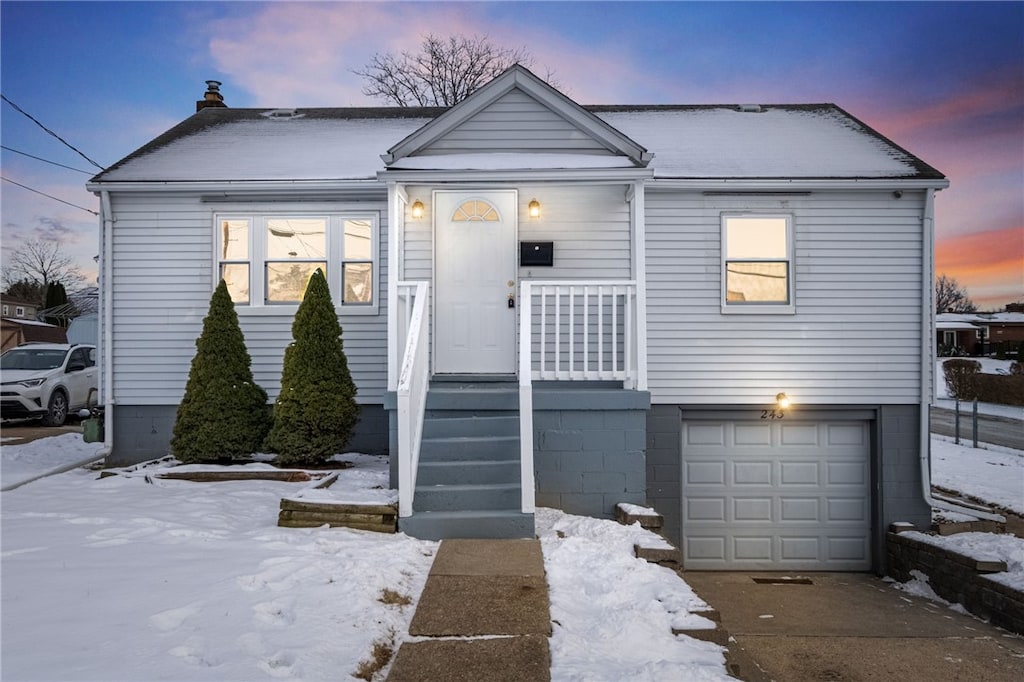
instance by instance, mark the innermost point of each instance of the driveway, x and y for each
(25, 431)
(851, 627)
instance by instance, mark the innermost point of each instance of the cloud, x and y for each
(297, 54)
(990, 265)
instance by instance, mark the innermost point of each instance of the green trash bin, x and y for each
(92, 430)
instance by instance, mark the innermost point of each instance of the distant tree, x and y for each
(316, 410)
(950, 297)
(56, 296)
(27, 291)
(41, 261)
(224, 413)
(444, 71)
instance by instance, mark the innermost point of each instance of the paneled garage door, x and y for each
(776, 495)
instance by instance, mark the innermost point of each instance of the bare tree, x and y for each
(41, 261)
(950, 297)
(442, 73)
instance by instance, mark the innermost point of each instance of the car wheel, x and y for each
(57, 410)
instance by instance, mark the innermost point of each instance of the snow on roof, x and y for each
(949, 326)
(783, 141)
(240, 146)
(979, 318)
(810, 141)
(506, 161)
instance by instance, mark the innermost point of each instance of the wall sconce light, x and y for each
(782, 400)
(417, 209)
(534, 208)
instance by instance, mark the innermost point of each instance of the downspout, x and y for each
(107, 320)
(928, 366)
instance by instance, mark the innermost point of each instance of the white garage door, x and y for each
(776, 495)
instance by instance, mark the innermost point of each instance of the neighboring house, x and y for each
(17, 308)
(979, 333)
(604, 302)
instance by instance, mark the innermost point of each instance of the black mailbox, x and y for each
(537, 253)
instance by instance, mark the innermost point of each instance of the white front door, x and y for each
(475, 275)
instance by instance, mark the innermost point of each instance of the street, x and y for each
(1002, 431)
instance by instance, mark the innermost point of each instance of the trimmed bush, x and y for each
(223, 414)
(316, 410)
(999, 388)
(960, 377)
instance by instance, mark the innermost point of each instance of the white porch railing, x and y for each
(413, 380)
(572, 331)
(579, 330)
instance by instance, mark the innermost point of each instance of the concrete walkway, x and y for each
(850, 626)
(483, 616)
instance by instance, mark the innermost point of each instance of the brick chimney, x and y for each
(212, 96)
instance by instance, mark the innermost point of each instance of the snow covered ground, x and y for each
(989, 473)
(132, 577)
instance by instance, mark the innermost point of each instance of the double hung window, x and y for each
(757, 263)
(267, 260)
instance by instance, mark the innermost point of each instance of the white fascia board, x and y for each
(610, 175)
(792, 184)
(234, 187)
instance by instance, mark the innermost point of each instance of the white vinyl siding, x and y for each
(588, 225)
(163, 254)
(515, 123)
(854, 336)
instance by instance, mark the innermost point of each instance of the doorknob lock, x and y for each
(511, 301)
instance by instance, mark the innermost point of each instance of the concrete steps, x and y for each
(468, 482)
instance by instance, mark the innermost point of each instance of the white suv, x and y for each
(48, 380)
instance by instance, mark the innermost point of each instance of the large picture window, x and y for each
(267, 260)
(757, 261)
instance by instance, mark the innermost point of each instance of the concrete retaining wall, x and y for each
(958, 578)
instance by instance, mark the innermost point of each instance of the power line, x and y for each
(63, 141)
(49, 196)
(39, 158)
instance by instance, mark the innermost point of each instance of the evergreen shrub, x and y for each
(224, 413)
(316, 411)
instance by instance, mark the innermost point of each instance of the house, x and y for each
(979, 333)
(18, 324)
(557, 305)
(14, 308)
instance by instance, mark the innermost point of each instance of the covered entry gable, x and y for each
(517, 113)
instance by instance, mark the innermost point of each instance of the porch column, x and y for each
(397, 200)
(635, 196)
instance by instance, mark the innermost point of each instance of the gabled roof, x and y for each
(686, 142)
(518, 77)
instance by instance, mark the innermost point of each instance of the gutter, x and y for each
(107, 321)
(928, 366)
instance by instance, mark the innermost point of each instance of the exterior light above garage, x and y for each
(782, 400)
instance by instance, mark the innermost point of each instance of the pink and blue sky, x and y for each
(942, 79)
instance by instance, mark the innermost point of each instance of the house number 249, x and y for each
(772, 414)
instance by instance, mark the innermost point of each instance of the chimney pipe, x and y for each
(212, 96)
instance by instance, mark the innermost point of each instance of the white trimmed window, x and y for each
(757, 263)
(267, 260)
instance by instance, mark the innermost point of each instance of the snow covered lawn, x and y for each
(990, 473)
(133, 577)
